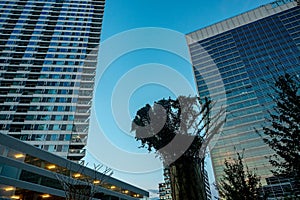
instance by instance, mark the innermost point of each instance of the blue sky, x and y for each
(143, 58)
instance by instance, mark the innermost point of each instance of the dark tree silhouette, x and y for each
(179, 131)
(283, 136)
(238, 182)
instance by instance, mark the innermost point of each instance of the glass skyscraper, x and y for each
(48, 58)
(234, 62)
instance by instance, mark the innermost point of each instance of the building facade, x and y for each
(29, 173)
(165, 191)
(48, 58)
(207, 186)
(234, 62)
(279, 187)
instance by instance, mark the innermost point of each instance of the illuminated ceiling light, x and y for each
(112, 187)
(19, 155)
(126, 191)
(51, 167)
(77, 175)
(96, 181)
(15, 197)
(45, 195)
(9, 189)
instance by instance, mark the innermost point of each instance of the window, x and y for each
(71, 117)
(69, 128)
(49, 56)
(65, 148)
(54, 137)
(61, 56)
(42, 127)
(39, 137)
(60, 62)
(58, 117)
(63, 127)
(56, 127)
(52, 148)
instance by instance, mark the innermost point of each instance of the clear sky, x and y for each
(143, 58)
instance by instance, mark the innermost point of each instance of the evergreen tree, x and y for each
(283, 132)
(283, 136)
(238, 182)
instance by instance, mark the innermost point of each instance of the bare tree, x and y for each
(79, 186)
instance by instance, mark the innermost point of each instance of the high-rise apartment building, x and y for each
(48, 58)
(233, 62)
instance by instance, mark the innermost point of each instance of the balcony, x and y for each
(76, 154)
(77, 141)
(77, 144)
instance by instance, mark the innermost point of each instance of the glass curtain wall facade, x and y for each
(48, 58)
(233, 61)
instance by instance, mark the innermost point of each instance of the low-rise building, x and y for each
(29, 173)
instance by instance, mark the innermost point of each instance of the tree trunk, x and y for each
(187, 181)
